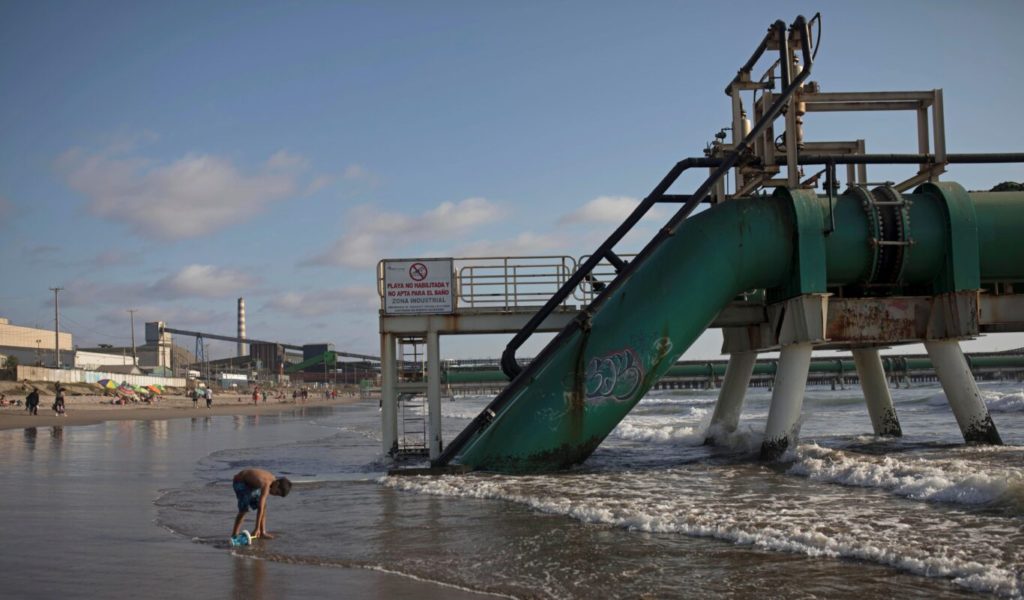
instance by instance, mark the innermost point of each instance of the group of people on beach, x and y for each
(206, 393)
(32, 402)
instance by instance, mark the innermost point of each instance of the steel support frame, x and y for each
(962, 392)
(871, 373)
(805, 101)
(730, 398)
(388, 394)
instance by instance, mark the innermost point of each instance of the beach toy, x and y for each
(242, 539)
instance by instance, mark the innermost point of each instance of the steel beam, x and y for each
(388, 395)
(730, 399)
(433, 394)
(876, 392)
(962, 392)
(787, 400)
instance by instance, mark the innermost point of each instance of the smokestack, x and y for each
(243, 348)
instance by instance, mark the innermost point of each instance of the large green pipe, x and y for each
(594, 376)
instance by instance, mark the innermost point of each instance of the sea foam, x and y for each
(632, 502)
(952, 481)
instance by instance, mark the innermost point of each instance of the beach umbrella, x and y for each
(154, 389)
(109, 384)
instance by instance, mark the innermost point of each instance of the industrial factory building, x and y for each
(32, 346)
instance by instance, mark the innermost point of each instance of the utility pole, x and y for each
(56, 324)
(135, 359)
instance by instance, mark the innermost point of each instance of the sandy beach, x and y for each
(91, 409)
(94, 507)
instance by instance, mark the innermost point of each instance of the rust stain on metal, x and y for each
(562, 457)
(578, 394)
(872, 319)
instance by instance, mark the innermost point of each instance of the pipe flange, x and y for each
(894, 220)
(867, 203)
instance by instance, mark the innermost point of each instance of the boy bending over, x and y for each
(252, 486)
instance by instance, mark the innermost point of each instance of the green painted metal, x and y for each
(594, 376)
(328, 357)
(597, 375)
(808, 273)
(961, 270)
(1000, 223)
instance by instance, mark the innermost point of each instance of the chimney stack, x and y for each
(243, 348)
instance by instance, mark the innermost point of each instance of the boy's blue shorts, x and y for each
(247, 498)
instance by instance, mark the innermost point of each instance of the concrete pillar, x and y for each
(388, 395)
(730, 398)
(787, 399)
(434, 394)
(876, 392)
(962, 392)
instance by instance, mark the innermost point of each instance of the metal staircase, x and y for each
(412, 398)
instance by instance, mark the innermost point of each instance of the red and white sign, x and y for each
(419, 286)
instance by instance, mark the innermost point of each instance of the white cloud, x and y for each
(204, 280)
(355, 172)
(318, 183)
(371, 235)
(524, 244)
(603, 209)
(324, 302)
(110, 258)
(192, 196)
(282, 159)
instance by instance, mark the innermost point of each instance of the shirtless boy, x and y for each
(252, 487)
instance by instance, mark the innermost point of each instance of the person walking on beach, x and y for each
(32, 402)
(194, 394)
(208, 394)
(252, 487)
(58, 403)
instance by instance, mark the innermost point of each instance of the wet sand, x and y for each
(90, 410)
(80, 511)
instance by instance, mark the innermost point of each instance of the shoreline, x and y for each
(91, 410)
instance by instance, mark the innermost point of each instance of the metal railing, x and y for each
(510, 282)
(514, 282)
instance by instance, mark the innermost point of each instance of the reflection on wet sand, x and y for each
(249, 576)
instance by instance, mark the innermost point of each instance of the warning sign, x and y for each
(422, 286)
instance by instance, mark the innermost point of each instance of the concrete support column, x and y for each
(787, 399)
(730, 398)
(876, 392)
(388, 395)
(434, 394)
(962, 392)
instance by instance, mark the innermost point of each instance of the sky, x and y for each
(172, 157)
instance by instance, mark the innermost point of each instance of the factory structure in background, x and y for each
(255, 361)
(243, 348)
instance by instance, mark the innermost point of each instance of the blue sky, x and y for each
(171, 157)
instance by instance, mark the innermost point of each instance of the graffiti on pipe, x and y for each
(613, 377)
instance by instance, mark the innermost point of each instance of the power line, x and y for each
(135, 358)
(106, 335)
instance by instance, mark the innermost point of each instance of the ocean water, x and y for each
(654, 513)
